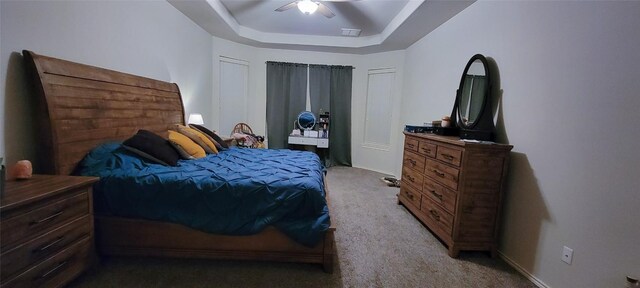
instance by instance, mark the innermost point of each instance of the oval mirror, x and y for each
(474, 88)
(306, 120)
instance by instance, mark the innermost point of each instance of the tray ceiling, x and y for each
(386, 24)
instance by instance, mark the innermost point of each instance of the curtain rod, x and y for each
(277, 62)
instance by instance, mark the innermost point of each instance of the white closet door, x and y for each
(377, 133)
(234, 81)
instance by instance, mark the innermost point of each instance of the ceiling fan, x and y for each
(309, 7)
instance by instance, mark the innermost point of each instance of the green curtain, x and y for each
(340, 121)
(319, 88)
(286, 98)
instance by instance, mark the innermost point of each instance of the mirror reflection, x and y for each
(473, 93)
(306, 120)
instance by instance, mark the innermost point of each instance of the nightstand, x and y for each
(46, 230)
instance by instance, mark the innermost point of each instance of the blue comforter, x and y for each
(236, 192)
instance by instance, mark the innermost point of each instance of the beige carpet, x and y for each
(379, 244)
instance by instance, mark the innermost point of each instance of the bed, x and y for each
(82, 107)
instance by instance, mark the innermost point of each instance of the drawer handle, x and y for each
(413, 162)
(448, 157)
(439, 196)
(410, 178)
(53, 270)
(426, 151)
(409, 195)
(47, 246)
(434, 214)
(441, 175)
(53, 216)
(410, 145)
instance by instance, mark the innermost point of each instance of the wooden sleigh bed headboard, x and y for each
(82, 106)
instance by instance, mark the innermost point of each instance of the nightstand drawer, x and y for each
(41, 220)
(43, 247)
(56, 270)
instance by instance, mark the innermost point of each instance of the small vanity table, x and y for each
(307, 136)
(309, 141)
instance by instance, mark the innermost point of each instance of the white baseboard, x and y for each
(522, 271)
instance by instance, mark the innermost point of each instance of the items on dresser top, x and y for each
(455, 188)
(47, 230)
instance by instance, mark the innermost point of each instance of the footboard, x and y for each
(135, 237)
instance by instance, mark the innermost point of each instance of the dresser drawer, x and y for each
(411, 177)
(413, 161)
(411, 195)
(437, 215)
(43, 247)
(411, 144)
(43, 219)
(440, 195)
(56, 270)
(449, 155)
(427, 148)
(442, 173)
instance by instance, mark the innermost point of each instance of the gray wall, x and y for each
(149, 38)
(570, 79)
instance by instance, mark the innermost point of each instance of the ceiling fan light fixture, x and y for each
(307, 6)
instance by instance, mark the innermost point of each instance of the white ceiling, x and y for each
(386, 24)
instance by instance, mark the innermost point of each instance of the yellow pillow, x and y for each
(187, 144)
(198, 137)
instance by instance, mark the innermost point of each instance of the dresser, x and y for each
(455, 189)
(46, 230)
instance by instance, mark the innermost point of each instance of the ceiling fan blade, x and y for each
(340, 0)
(324, 10)
(287, 7)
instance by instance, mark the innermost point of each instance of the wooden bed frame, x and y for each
(82, 106)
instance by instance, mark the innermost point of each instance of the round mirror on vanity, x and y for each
(306, 120)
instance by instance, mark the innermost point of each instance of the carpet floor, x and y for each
(379, 244)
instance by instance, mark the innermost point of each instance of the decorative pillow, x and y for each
(218, 146)
(186, 144)
(144, 155)
(211, 134)
(183, 154)
(198, 137)
(152, 145)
